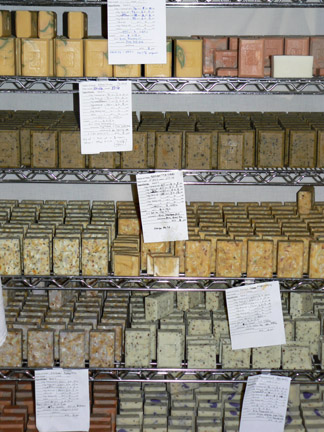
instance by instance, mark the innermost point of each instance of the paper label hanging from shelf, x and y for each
(255, 315)
(3, 324)
(106, 116)
(136, 32)
(62, 400)
(265, 404)
(163, 206)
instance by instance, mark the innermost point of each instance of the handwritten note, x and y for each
(255, 315)
(3, 324)
(265, 404)
(136, 31)
(162, 206)
(62, 400)
(106, 116)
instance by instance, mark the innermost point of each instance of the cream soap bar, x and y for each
(169, 349)
(290, 66)
(158, 305)
(137, 347)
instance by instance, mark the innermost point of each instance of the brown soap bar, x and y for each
(227, 72)
(272, 46)
(168, 150)
(210, 45)
(249, 148)
(70, 150)
(302, 149)
(137, 158)
(233, 43)
(297, 46)
(316, 49)
(198, 150)
(225, 59)
(259, 258)
(228, 258)
(251, 58)
(271, 148)
(9, 149)
(43, 149)
(290, 259)
(230, 150)
(320, 149)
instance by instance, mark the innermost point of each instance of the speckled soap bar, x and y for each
(137, 348)
(102, 348)
(36, 256)
(169, 349)
(72, 348)
(11, 349)
(10, 256)
(66, 256)
(40, 348)
(158, 305)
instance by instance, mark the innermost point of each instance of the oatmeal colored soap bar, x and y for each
(137, 348)
(40, 348)
(11, 349)
(290, 66)
(72, 348)
(102, 348)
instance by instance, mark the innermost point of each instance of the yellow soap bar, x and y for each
(259, 258)
(47, 24)
(18, 56)
(7, 56)
(188, 58)
(5, 23)
(77, 25)
(197, 258)
(161, 70)
(96, 58)
(228, 258)
(37, 57)
(305, 199)
(290, 259)
(26, 24)
(69, 57)
(125, 71)
(316, 260)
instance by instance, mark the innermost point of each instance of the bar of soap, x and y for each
(169, 349)
(260, 258)
(126, 264)
(95, 256)
(188, 58)
(7, 56)
(271, 147)
(9, 149)
(11, 349)
(77, 23)
(296, 356)
(96, 58)
(291, 66)
(197, 258)
(308, 332)
(5, 23)
(166, 266)
(47, 24)
(127, 71)
(305, 199)
(198, 150)
(40, 348)
(69, 57)
(290, 259)
(36, 256)
(251, 57)
(26, 24)
(137, 348)
(102, 348)
(158, 305)
(202, 355)
(168, 150)
(70, 150)
(266, 357)
(230, 150)
(316, 260)
(10, 256)
(37, 57)
(137, 158)
(43, 149)
(228, 258)
(302, 149)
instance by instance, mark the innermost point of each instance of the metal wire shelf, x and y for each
(150, 283)
(180, 376)
(173, 4)
(207, 85)
(248, 176)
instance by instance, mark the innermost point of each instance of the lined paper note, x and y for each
(163, 206)
(265, 404)
(62, 400)
(106, 116)
(136, 31)
(255, 315)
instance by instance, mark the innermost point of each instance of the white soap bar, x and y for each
(289, 66)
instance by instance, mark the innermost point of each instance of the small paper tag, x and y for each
(255, 315)
(3, 324)
(136, 32)
(106, 116)
(163, 206)
(265, 404)
(62, 400)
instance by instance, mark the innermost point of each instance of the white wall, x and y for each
(186, 22)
